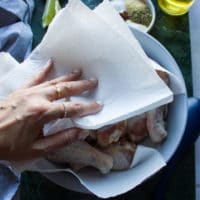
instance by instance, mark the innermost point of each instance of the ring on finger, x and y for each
(58, 91)
(65, 111)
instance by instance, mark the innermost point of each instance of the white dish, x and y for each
(153, 12)
(177, 111)
(120, 7)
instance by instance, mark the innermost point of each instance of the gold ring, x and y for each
(58, 91)
(65, 111)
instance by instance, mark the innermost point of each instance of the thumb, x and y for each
(57, 140)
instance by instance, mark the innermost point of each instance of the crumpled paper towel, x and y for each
(100, 43)
(147, 162)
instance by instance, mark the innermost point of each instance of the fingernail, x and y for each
(49, 61)
(93, 80)
(100, 103)
(76, 71)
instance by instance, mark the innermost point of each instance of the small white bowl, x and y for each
(120, 7)
(153, 13)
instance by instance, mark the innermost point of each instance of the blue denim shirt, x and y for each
(15, 38)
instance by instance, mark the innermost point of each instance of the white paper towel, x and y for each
(147, 161)
(77, 38)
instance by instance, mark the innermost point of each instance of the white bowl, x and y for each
(177, 111)
(153, 12)
(120, 7)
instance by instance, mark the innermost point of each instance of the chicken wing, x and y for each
(156, 124)
(109, 134)
(122, 153)
(83, 154)
(163, 75)
(137, 128)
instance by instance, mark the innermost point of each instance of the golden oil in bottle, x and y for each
(175, 7)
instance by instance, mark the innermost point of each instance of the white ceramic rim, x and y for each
(153, 12)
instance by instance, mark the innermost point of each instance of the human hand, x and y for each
(25, 111)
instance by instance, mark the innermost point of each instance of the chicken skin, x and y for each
(83, 154)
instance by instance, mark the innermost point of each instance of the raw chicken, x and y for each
(108, 148)
(110, 134)
(122, 153)
(156, 124)
(152, 123)
(155, 118)
(81, 153)
(164, 76)
(137, 128)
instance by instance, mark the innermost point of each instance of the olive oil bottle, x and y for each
(175, 7)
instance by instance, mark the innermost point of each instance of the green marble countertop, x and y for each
(173, 33)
